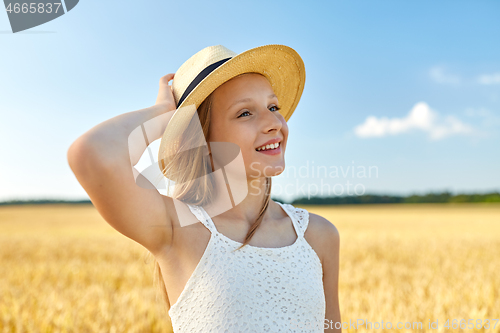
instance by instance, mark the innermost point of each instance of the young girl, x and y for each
(252, 264)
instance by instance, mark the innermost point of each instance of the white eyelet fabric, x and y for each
(254, 289)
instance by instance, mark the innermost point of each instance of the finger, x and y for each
(166, 78)
(165, 91)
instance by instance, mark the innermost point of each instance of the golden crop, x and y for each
(64, 269)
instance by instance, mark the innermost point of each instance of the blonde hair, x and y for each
(188, 169)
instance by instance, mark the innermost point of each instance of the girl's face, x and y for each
(245, 112)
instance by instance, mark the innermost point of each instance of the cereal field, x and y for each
(64, 269)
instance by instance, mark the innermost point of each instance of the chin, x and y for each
(272, 171)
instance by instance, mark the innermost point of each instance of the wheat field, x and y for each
(64, 269)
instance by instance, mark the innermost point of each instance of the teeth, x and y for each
(271, 146)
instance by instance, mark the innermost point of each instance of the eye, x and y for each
(274, 106)
(242, 114)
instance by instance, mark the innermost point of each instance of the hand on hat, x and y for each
(165, 94)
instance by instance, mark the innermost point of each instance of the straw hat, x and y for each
(209, 68)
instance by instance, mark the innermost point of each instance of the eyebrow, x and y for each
(247, 100)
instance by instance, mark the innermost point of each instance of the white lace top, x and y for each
(254, 289)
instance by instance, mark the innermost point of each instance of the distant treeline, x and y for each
(445, 197)
(43, 202)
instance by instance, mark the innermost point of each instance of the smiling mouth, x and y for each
(271, 146)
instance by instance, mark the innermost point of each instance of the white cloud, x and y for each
(421, 117)
(482, 112)
(438, 74)
(489, 119)
(489, 79)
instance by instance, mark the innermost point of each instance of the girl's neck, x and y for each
(249, 208)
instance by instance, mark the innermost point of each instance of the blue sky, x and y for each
(409, 88)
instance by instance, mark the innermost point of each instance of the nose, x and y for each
(271, 121)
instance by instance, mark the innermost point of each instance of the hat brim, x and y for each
(280, 64)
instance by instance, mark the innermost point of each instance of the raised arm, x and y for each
(102, 160)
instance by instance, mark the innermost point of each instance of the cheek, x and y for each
(221, 132)
(246, 148)
(284, 125)
(243, 138)
(246, 143)
(284, 130)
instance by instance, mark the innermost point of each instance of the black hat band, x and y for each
(203, 74)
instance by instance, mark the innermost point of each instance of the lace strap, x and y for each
(203, 217)
(301, 217)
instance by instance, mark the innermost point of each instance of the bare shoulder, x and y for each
(323, 236)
